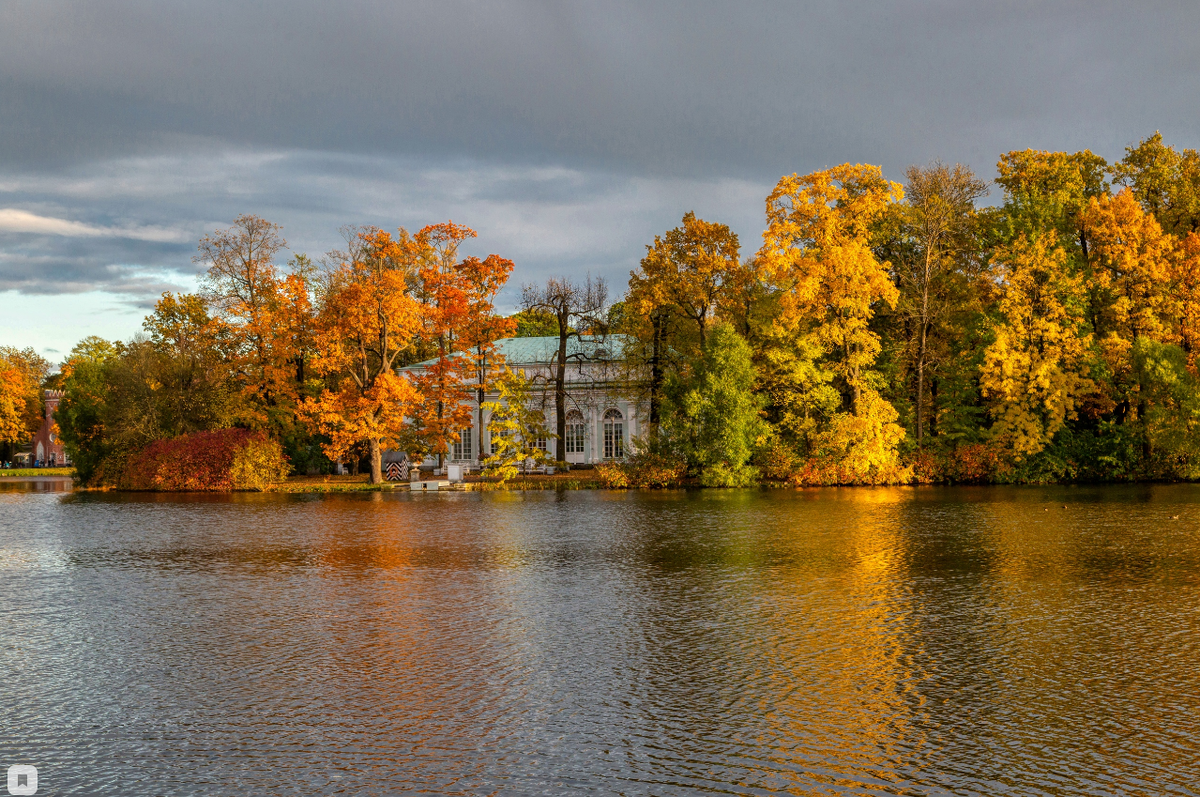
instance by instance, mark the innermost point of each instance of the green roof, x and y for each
(539, 350)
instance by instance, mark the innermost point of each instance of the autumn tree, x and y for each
(458, 330)
(817, 250)
(268, 313)
(1185, 297)
(817, 253)
(691, 269)
(577, 309)
(366, 320)
(193, 391)
(516, 427)
(22, 372)
(938, 264)
(713, 417)
(649, 326)
(1165, 182)
(1051, 191)
(166, 382)
(688, 275)
(1033, 372)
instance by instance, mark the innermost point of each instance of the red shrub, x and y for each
(227, 459)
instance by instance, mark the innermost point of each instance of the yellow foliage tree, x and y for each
(1165, 182)
(515, 427)
(692, 269)
(816, 249)
(1185, 297)
(1032, 370)
(12, 403)
(860, 447)
(1130, 254)
(817, 253)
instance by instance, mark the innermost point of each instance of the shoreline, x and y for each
(558, 483)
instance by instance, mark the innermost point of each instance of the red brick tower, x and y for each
(47, 448)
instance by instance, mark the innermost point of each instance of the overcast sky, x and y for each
(567, 134)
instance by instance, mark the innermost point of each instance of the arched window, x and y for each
(463, 448)
(614, 435)
(576, 432)
(541, 439)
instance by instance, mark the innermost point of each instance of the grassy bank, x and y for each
(26, 472)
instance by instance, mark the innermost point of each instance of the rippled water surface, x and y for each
(930, 641)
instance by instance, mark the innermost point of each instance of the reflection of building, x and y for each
(47, 448)
(601, 419)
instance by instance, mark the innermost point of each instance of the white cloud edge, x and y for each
(17, 220)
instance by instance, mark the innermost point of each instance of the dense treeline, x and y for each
(903, 332)
(883, 333)
(305, 356)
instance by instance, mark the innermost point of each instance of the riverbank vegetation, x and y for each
(884, 332)
(904, 333)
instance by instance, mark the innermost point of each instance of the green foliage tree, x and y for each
(82, 410)
(714, 418)
(1172, 422)
(535, 324)
(171, 380)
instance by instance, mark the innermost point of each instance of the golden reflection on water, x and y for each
(907, 641)
(857, 667)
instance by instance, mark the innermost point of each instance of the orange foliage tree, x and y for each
(1130, 254)
(366, 321)
(21, 375)
(692, 269)
(268, 314)
(458, 327)
(1185, 297)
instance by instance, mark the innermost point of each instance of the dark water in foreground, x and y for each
(930, 641)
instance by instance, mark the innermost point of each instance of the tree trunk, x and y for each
(921, 390)
(1147, 449)
(479, 403)
(560, 391)
(440, 462)
(924, 347)
(933, 403)
(658, 333)
(376, 462)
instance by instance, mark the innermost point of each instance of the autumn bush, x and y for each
(975, 463)
(776, 462)
(613, 475)
(227, 459)
(643, 470)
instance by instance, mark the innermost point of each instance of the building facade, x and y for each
(46, 449)
(602, 419)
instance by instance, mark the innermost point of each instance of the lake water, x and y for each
(967, 641)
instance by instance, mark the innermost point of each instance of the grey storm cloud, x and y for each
(567, 133)
(691, 87)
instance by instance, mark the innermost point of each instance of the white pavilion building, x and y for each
(601, 417)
